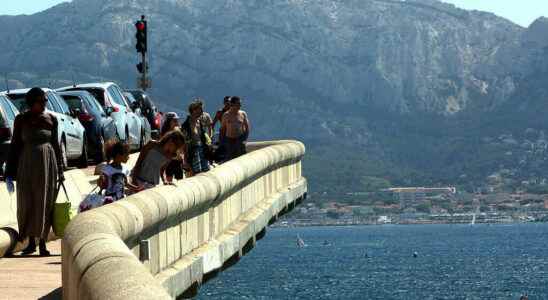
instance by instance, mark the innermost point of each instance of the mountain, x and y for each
(415, 92)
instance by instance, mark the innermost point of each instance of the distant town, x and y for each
(420, 205)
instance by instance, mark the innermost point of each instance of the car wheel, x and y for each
(64, 154)
(101, 155)
(83, 161)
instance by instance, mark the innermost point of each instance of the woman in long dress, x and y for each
(36, 165)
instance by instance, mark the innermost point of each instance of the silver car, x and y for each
(145, 125)
(71, 133)
(110, 96)
(8, 112)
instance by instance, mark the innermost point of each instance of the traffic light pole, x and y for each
(144, 77)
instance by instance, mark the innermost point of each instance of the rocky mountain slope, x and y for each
(404, 90)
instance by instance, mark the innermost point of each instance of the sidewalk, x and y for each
(32, 277)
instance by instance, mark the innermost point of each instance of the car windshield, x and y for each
(116, 96)
(73, 101)
(145, 99)
(92, 102)
(130, 98)
(19, 101)
(99, 94)
(3, 106)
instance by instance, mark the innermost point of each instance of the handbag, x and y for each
(62, 213)
(92, 200)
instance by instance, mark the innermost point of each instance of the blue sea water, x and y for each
(454, 262)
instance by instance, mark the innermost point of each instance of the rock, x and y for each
(372, 77)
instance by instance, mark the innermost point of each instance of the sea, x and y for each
(391, 262)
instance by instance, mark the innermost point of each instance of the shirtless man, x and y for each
(234, 130)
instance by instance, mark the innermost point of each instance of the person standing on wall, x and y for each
(219, 114)
(36, 165)
(218, 155)
(205, 118)
(235, 129)
(196, 138)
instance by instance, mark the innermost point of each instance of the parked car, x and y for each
(111, 98)
(134, 104)
(149, 110)
(72, 134)
(8, 112)
(99, 127)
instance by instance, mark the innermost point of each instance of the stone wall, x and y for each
(163, 242)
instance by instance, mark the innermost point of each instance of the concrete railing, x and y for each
(162, 243)
(78, 184)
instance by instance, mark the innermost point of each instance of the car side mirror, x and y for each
(109, 110)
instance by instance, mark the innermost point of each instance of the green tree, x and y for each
(374, 184)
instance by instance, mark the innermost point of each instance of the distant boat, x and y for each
(415, 254)
(473, 220)
(326, 243)
(300, 242)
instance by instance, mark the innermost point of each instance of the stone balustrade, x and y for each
(163, 242)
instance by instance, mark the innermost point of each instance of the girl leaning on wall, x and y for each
(154, 158)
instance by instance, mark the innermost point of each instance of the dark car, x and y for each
(99, 126)
(135, 105)
(7, 115)
(149, 110)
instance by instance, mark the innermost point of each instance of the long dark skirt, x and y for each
(36, 190)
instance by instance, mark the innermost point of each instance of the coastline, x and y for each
(290, 224)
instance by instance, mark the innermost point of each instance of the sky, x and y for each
(522, 12)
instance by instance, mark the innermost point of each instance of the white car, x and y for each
(111, 97)
(72, 134)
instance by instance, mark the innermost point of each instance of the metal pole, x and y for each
(144, 84)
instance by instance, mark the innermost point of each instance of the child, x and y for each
(154, 158)
(114, 177)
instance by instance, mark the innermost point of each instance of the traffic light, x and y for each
(141, 35)
(140, 68)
